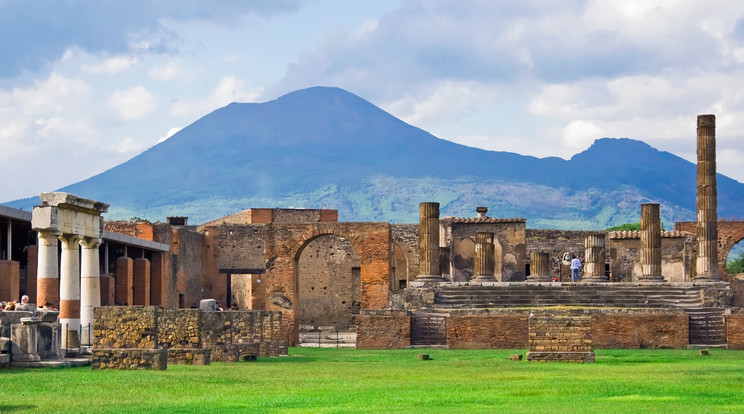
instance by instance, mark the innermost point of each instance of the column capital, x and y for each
(91, 242)
(69, 241)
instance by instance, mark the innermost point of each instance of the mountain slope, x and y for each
(325, 147)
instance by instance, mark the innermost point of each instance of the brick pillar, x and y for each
(69, 291)
(141, 281)
(539, 267)
(9, 280)
(429, 270)
(124, 281)
(158, 288)
(90, 286)
(108, 290)
(650, 244)
(31, 264)
(47, 277)
(483, 265)
(595, 258)
(707, 201)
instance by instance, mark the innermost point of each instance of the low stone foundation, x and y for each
(189, 356)
(130, 358)
(383, 330)
(560, 337)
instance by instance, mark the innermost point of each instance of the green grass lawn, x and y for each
(348, 380)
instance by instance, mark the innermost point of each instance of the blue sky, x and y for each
(86, 85)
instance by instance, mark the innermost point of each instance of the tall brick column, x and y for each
(429, 270)
(47, 278)
(650, 244)
(483, 264)
(69, 291)
(707, 201)
(124, 281)
(90, 286)
(595, 257)
(539, 267)
(141, 294)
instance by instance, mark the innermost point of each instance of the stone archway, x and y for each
(328, 282)
(285, 240)
(729, 234)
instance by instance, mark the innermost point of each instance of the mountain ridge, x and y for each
(326, 147)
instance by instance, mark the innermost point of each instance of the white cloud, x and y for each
(169, 71)
(134, 103)
(229, 89)
(54, 94)
(579, 134)
(111, 66)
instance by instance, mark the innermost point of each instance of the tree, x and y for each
(736, 266)
(626, 227)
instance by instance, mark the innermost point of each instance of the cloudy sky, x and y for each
(86, 85)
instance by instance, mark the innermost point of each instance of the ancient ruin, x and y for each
(289, 277)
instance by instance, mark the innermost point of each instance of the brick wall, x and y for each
(9, 280)
(383, 330)
(735, 331)
(487, 331)
(632, 330)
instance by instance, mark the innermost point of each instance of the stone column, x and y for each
(707, 201)
(90, 286)
(483, 264)
(47, 278)
(539, 267)
(595, 258)
(429, 270)
(650, 244)
(69, 291)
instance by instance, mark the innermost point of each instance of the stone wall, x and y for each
(729, 233)
(125, 327)
(659, 329)
(510, 252)
(383, 330)
(509, 328)
(138, 229)
(328, 282)
(560, 336)
(500, 331)
(186, 282)
(735, 331)
(557, 243)
(110, 358)
(193, 336)
(405, 248)
(677, 256)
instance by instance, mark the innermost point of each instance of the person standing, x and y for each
(575, 267)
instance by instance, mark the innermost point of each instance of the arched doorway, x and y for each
(328, 282)
(735, 259)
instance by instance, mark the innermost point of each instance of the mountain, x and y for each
(325, 147)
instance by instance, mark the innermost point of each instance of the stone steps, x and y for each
(459, 297)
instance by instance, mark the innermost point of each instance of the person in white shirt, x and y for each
(575, 267)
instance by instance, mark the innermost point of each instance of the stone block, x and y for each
(189, 356)
(129, 358)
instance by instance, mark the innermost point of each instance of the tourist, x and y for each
(575, 266)
(24, 305)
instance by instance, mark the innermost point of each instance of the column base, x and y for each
(429, 278)
(707, 278)
(599, 278)
(651, 279)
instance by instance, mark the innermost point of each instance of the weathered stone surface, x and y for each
(129, 358)
(487, 331)
(657, 330)
(383, 330)
(561, 336)
(735, 331)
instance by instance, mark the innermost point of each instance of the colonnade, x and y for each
(74, 222)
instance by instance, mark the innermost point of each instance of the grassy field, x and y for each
(348, 380)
